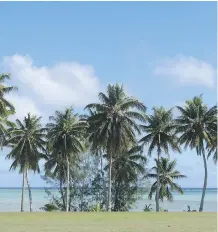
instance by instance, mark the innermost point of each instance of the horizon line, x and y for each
(3, 187)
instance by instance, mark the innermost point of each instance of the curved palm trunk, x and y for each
(68, 183)
(158, 185)
(29, 190)
(110, 184)
(205, 184)
(22, 196)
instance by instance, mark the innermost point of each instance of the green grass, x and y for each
(108, 222)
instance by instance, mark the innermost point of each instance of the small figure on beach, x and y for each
(189, 209)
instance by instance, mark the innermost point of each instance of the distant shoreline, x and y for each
(186, 188)
(10, 199)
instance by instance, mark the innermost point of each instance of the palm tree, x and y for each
(65, 134)
(56, 168)
(4, 124)
(5, 106)
(168, 174)
(196, 126)
(96, 150)
(129, 164)
(127, 167)
(212, 147)
(27, 140)
(113, 125)
(160, 137)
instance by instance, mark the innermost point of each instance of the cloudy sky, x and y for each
(62, 54)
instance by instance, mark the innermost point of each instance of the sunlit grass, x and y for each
(108, 222)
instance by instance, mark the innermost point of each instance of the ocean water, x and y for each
(10, 200)
(191, 196)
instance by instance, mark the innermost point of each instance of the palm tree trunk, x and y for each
(205, 183)
(103, 197)
(117, 196)
(82, 197)
(22, 196)
(68, 181)
(110, 184)
(29, 190)
(62, 194)
(158, 185)
(68, 175)
(158, 177)
(70, 198)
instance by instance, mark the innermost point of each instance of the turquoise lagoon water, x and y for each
(191, 196)
(10, 200)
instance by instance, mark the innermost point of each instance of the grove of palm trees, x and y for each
(99, 160)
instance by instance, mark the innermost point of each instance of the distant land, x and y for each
(185, 188)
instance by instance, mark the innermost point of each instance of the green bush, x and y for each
(49, 208)
(96, 208)
(147, 208)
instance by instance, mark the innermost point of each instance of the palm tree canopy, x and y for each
(66, 133)
(212, 147)
(168, 174)
(27, 140)
(56, 166)
(113, 121)
(6, 107)
(128, 165)
(4, 125)
(196, 124)
(160, 128)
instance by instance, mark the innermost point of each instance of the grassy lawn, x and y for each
(108, 222)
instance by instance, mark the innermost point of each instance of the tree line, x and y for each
(112, 135)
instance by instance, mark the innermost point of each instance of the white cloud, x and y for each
(23, 106)
(187, 70)
(66, 83)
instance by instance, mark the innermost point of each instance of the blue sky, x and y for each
(64, 53)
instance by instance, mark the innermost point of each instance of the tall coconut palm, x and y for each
(114, 124)
(160, 136)
(56, 168)
(65, 135)
(5, 105)
(27, 141)
(212, 147)
(127, 167)
(97, 150)
(6, 108)
(196, 125)
(4, 124)
(129, 164)
(168, 174)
